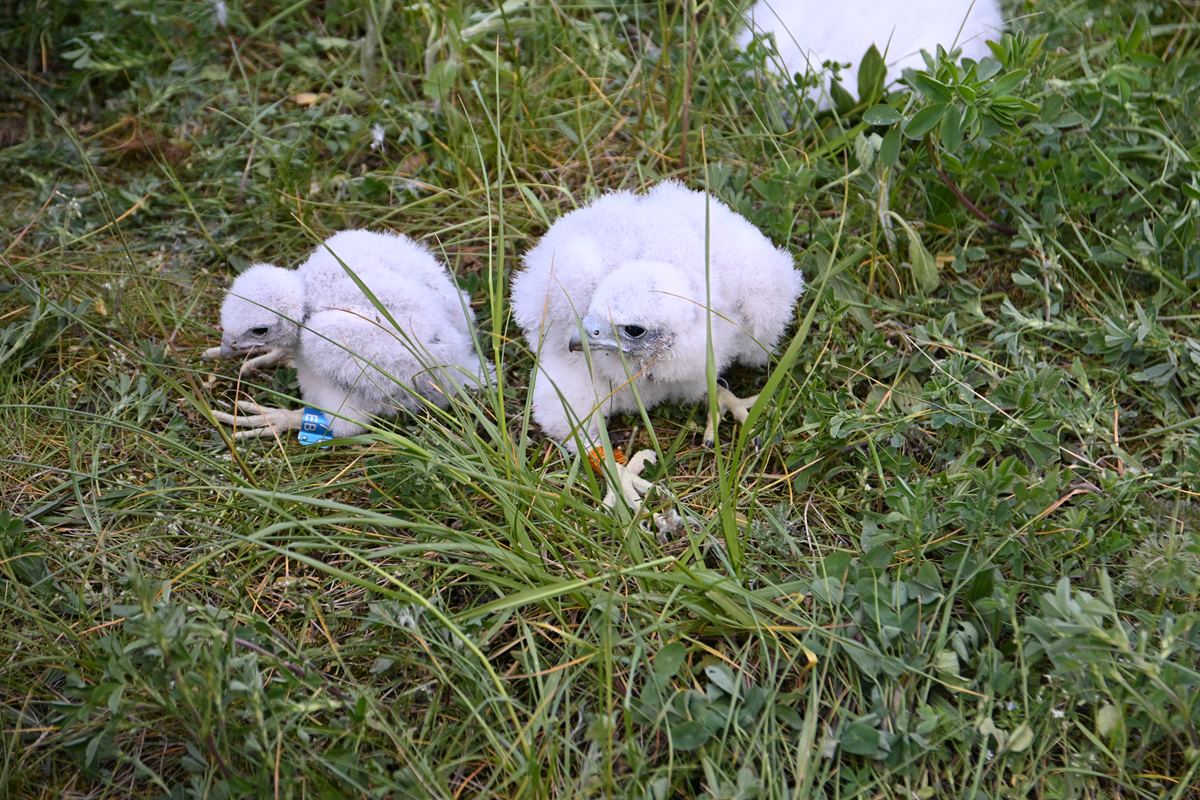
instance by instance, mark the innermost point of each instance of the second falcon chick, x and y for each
(355, 358)
(617, 295)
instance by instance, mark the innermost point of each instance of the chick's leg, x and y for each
(727, 402)
(631, 486)
(261, 421)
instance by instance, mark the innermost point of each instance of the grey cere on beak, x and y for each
(595, 342)
(232, 347)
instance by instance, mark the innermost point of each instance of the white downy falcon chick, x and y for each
(615, 297)
(353, 360)
(810, 32)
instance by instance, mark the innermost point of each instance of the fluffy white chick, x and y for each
(352, 361)
(614, 299)
(810, 32)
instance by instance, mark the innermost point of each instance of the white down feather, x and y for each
(351, 360)
(640, 260)
(808, 33)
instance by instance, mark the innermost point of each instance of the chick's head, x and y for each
(637, 313)
(262, 310)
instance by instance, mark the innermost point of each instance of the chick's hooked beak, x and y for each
(597, 340)
(230, 347)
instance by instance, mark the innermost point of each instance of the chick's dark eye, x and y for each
(635, 331)
(260, 331)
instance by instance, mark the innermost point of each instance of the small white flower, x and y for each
(221, 13)
(1057, 713)
(376, 136)
(1010, 705)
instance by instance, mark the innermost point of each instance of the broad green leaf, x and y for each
(827, 590)
(946, 662)
(713, 717)
(687, 735)
(988, 727)
(866, 660)
(881, 115)
(865, 149)
(751, 705)
(924, 267)
(1071, 119)
(872, 72)
(1141, 26)
(722, 678)
(789, 716)
(843, 101)
(1009, 81)
(863, 739)
(1021, 738)
(889, 151)
(989, 66)
(952, 129)
(934, 90)
(114, 699)
(1158, 374)
(333, 42)
(924, 121)
(1108, 719)
(441, 78)
(878, 557)
(669, 660)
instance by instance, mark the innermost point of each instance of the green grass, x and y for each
(961, 561)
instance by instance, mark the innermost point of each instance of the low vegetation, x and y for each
(954, 553)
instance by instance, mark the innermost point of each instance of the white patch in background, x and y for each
(376, 136)
(810, 32)
(221, 13)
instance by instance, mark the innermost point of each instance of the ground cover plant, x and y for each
(953, 554)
